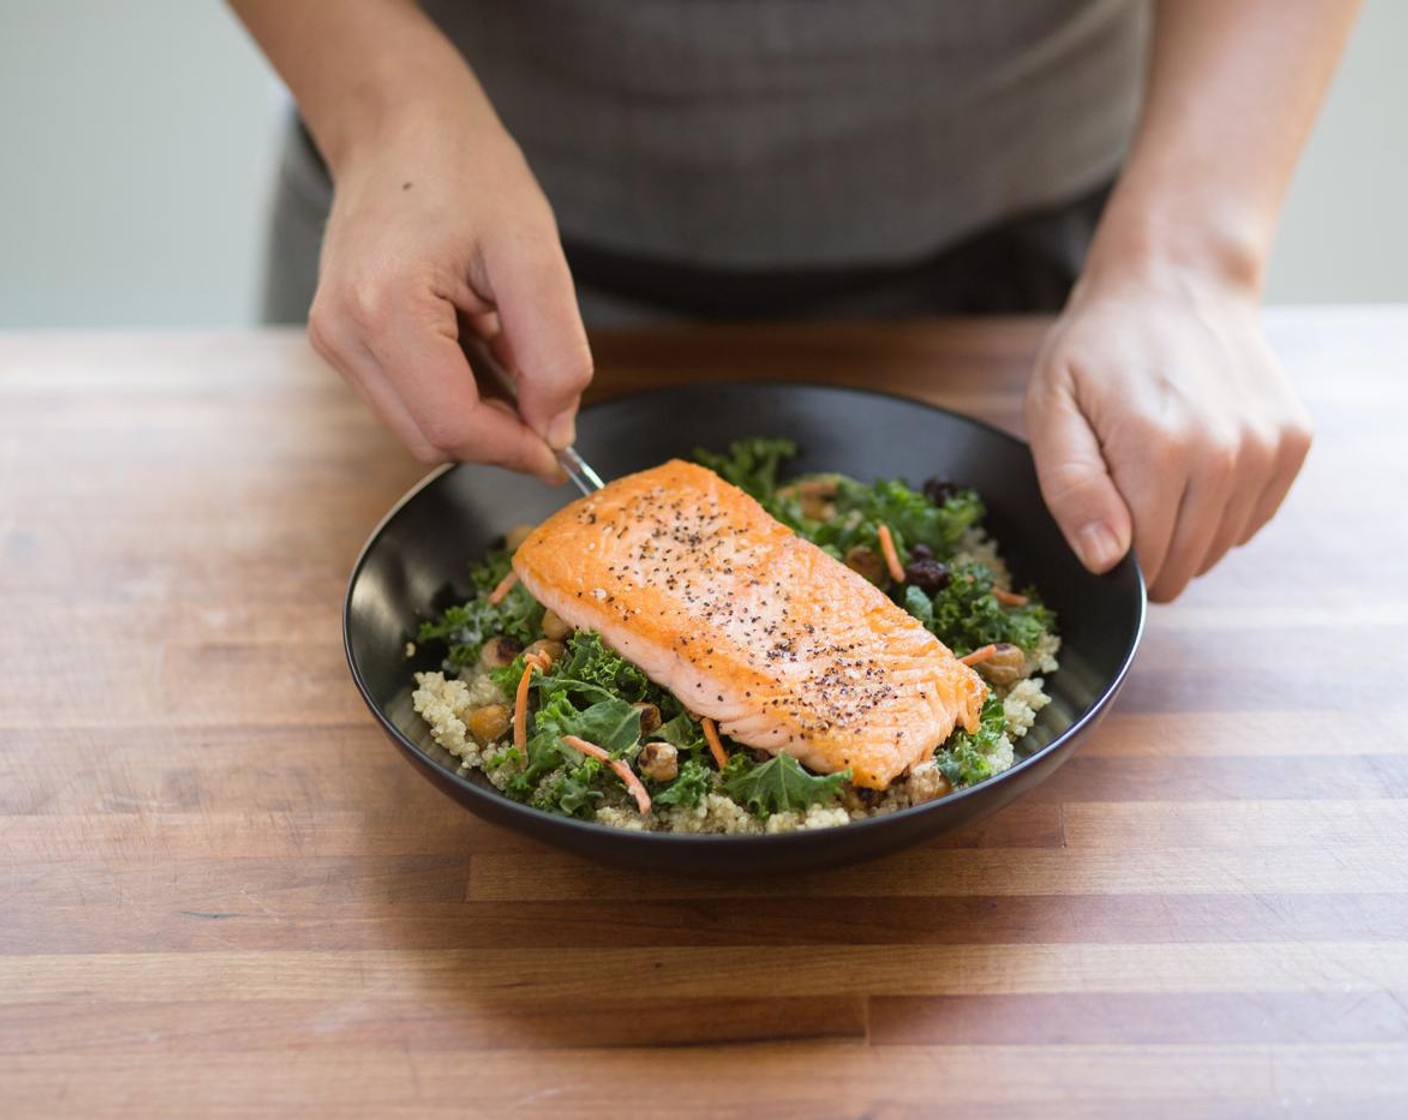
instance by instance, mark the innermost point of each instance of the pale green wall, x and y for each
(1344, 233)
(135, 148)
(136, 144)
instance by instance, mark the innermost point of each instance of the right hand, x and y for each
(442, 228)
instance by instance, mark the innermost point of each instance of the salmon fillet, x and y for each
(748, 623)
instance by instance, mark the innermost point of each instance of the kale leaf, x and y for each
(489, 572)
(688, 789)
(506, 677)
(912, 517)
(466, 627)
(573, 791)
(682, 733)
(589, 666)
(779, 784)
(593, 693)
(918, 603)
(750, 464)
(557, 778)
(613, 725)
(965, 615)
(753, 465)
(967, 759)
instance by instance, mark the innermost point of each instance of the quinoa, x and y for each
(445, 705)
(716, 813)
(1042, 658)
(976, 547)
(1021, 705)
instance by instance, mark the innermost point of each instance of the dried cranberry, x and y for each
(927, 575)
(940, 490)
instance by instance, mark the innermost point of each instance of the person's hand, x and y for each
(442, 228)
(1159, 416)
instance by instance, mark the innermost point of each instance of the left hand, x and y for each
(1158, 416)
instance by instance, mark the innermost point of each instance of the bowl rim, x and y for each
(719, 840)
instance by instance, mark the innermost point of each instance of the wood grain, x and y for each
(224, 895)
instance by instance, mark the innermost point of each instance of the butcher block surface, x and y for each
(226, 895)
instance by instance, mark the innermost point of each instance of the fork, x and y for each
(482, 357)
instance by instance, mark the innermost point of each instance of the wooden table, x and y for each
(225, 894)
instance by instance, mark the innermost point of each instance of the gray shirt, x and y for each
(767, 133)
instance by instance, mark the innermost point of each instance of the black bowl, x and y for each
(416, 563)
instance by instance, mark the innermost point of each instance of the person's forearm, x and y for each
(403, 273)
(364, 70)
(1232, 90)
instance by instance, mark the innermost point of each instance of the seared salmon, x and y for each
(781, 644)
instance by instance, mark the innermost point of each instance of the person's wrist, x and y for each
(1141, 247)
(398, 124)
(405, 105)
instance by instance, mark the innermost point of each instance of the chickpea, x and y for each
(868, 563)
(659, 761)
(649, 717)
(555, 627)
(499, 651)
(488, 724)
(516, 535)
(926, 782)
(815, 496)
(547, 648)
(1006, 666)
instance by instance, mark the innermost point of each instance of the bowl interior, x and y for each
(416, 563)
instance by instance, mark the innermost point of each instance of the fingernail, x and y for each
(562, 432)
(1100, 549)
(553, 475)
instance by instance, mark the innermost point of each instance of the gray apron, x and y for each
(729, 158)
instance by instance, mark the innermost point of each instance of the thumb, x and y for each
(1075, 480)
(543, 334)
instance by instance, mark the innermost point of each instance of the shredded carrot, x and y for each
(716, 745)
(520, 702)
(501, 591)
(979, 655)
(624, 772)
(1009, 598)
(892, 557)
(587, 747)
(520, 712)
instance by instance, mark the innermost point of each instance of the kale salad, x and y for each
(604, 743)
